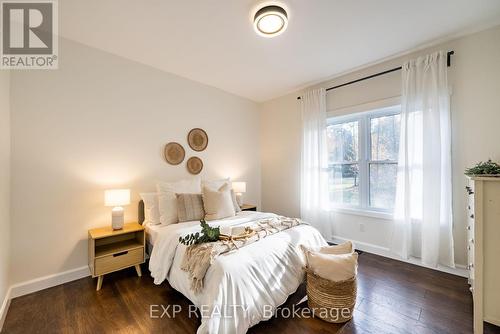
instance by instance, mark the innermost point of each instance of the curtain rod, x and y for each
(448, 62)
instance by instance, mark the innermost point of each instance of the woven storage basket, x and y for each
(331, 301)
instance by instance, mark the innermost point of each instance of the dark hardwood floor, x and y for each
(393, 297)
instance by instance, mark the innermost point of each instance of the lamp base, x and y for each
(117, 218)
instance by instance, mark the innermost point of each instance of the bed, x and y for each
(243, 287)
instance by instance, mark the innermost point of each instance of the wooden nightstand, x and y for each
(111, 250)
(248, 207)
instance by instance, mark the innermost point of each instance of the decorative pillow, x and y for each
(235, 202)
(167, 201)
(218, 204)
(333, 267)
(189, 207)
(151, 209)
(344, 248)
(216, 184)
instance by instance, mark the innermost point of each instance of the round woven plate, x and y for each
(197, 139)
(174, 153)
(194, 165)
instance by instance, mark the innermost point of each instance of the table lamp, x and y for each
(239, 188)
(117, 198)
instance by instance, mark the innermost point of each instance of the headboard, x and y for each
(140, 212)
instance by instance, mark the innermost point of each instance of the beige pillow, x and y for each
(218, 204)
(189, 207)
(344, 248)
(333, 267)
(216, 184)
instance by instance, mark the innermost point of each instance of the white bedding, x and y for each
(241, 287)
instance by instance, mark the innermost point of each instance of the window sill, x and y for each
(364, 213)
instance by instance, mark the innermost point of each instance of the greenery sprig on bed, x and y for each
(208, 234)
(484, 168)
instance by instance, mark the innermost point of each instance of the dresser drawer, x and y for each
(119, 260)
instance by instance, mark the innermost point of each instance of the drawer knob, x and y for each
(468, 228)
(120, 254)
(472, 216)
(471, 289)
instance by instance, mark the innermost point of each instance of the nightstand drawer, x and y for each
(119, 260)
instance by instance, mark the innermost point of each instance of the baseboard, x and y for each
(366, 247)
(4, 308)
(386, 252)
(37, 284)
(495, 322)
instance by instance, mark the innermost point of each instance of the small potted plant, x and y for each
(488, 168)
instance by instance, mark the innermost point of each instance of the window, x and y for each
(362, 159)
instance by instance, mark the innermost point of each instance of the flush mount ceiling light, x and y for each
(270, 21)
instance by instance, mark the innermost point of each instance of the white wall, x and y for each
(475, 107)
(101, 122)
(4, 186)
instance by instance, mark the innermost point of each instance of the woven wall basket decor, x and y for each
(194, 165)
(174, 153)
(197, 139)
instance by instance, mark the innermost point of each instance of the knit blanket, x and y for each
(198, 258)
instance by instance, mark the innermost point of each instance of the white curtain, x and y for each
(423, 213)
(314, 175)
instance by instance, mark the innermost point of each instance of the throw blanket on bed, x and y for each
(198, 258)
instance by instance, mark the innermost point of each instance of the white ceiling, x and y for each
(213, 42)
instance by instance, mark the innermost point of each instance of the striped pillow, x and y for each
(189, 207)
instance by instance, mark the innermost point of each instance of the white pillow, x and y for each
(218, 204)
(151, 209)
(344, 248)
(333, 267)
(167, 201)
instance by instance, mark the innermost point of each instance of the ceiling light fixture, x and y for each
(270, 21)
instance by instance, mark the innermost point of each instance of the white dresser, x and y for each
(483, 234)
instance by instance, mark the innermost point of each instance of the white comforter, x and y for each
(242, 287)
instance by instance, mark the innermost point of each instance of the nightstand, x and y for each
(112, 250)
(248, 207)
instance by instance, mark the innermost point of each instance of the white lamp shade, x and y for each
(117, 197)
(240, 187)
